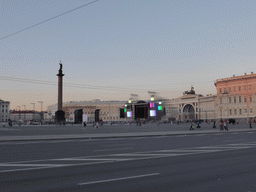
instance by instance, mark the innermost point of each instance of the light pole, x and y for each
(41, 105)
(33, 111)
(24, 112)
(19, 112)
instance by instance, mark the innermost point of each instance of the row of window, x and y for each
(225, 90)
(235, 99)
(235, 111)
(92, 112)
(110, 118)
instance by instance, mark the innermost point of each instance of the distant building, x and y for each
(4, 110)
(108, 110)
(51, 109)
(236, 97)
(26, 115)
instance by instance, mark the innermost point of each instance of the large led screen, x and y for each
(129, 114)
(152, 113)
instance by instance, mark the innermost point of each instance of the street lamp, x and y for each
(41, 116)
(24, 112)
(19, 112)
(33, 111)
(41, 105)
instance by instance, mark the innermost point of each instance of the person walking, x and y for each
(221, 125)
(192, 126)
(226, 125)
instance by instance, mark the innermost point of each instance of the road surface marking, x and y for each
(113, 149)
(92, 159)
(31, 165)
(118, 179)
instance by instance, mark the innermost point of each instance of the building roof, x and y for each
(245, 76)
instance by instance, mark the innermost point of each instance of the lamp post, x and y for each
(24, 112)
(41, 102)
(19, 112)
(33, 111)
(198, 125)
(41, 116)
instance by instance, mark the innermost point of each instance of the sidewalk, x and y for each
(117, 135)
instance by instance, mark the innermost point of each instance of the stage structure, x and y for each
(143, 110)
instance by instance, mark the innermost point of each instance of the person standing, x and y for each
(250, 123)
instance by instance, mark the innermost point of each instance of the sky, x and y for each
(113, 48)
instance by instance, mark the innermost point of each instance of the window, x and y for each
(245, 99)
(229, 99)
(234, 99)
(250, 87)
(239, 88)
(220, 100)
(240, 99)
(250, 110)
(245, 111)
(234, 111)
(234, 89)
(250, 99)
(220, 90)
(230, 112)
(245, 87)
(220, 112)
(240, 111)
(229, 89)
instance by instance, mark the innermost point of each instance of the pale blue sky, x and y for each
(135, 45)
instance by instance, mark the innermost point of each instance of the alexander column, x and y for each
(60, 114)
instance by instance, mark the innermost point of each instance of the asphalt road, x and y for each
(28, 130)
(214, 162)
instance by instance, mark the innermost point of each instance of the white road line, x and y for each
(117, 179)
(31, 165)
(118, 149)
(133, 154)
(20, 143)
(74, 159)
(191, 150)
(245, 144)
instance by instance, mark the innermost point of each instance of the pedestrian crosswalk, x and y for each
(119, 157)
